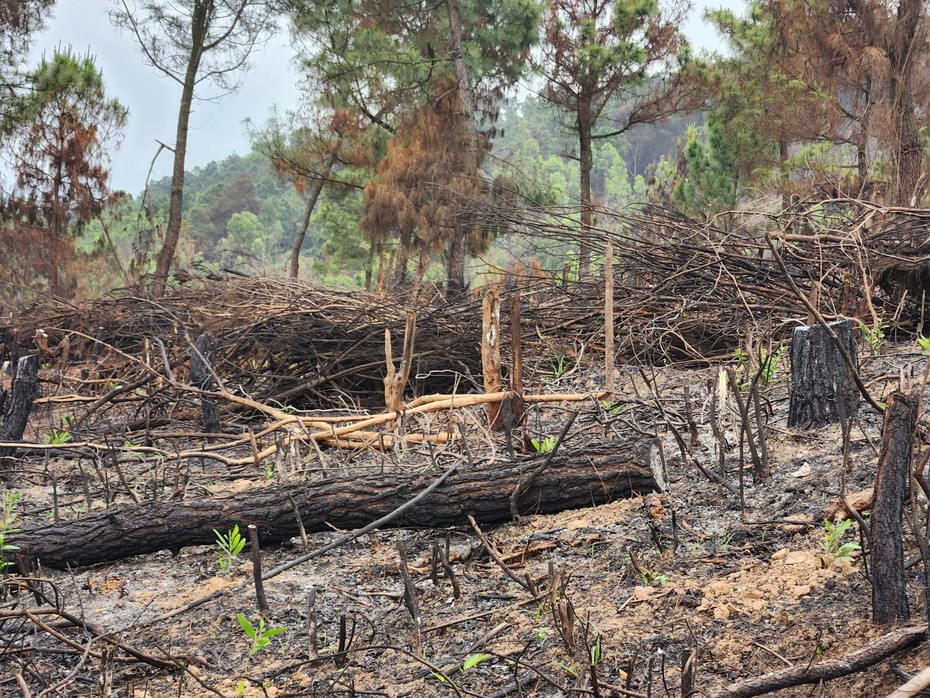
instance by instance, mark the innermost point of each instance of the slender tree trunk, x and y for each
(862, 142)
(455, 268)
(54, 280)
(585, 125)
(783, 172)
(403, 255)
(312, 198)
(199, 23)
(455, 271)
(369, 266)
(906, 150)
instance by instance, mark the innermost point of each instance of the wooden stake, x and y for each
(396, 380)
(609, 317)
(491, 347)
(390, 374)
(257, 569)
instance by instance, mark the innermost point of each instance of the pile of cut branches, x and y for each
(686, 290)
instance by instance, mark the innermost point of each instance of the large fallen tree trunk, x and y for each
(572, 480)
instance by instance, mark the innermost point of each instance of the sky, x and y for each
(217, 127)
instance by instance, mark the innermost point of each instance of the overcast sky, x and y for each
(217, 128)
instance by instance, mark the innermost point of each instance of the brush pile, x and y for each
(685, 291)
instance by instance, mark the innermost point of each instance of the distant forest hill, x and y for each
(240, 215)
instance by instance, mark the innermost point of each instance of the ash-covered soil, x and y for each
(628, 587)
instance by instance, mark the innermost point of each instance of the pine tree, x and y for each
(59, 155)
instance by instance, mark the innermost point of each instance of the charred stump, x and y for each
(822, 387)
(889, 598)
(16, 406)
(573, 480)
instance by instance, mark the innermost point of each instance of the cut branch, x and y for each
(867, 656)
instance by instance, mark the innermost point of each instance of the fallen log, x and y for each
(863, 658)
(572, 480)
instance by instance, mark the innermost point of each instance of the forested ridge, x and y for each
(415, 118)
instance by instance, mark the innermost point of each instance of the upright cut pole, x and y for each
(609, 317)
(491, 346)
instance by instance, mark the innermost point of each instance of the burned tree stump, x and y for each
(822, 387)
(889, 598)
(16, 406)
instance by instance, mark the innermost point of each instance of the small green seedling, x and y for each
(611, 407)
(924, 343)
(653, 578)
(831, 541)
(741, 357)
(8, 517)
(261, 635)
(472, 661)
(58, 437)
(596, 651)
(544, 446)
(559, 367)
(875, 336)
(230, 545)
(770, 363)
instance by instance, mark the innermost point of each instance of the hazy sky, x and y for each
(217, 128)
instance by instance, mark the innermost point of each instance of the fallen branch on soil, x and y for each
(871, 654)
(913, 687)
(577, 479)
(354, 435)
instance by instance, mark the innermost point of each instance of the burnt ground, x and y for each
(750, 588)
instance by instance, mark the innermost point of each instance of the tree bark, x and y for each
(200, 21)
(491, 350)
(889, 596)
(572, 480)
(23, 392)
(404, 244)
(822, 388)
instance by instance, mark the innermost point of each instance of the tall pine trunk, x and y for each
(312, 198)
(586, 164)
(906, 150)
(199, 24)
(455, 270)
